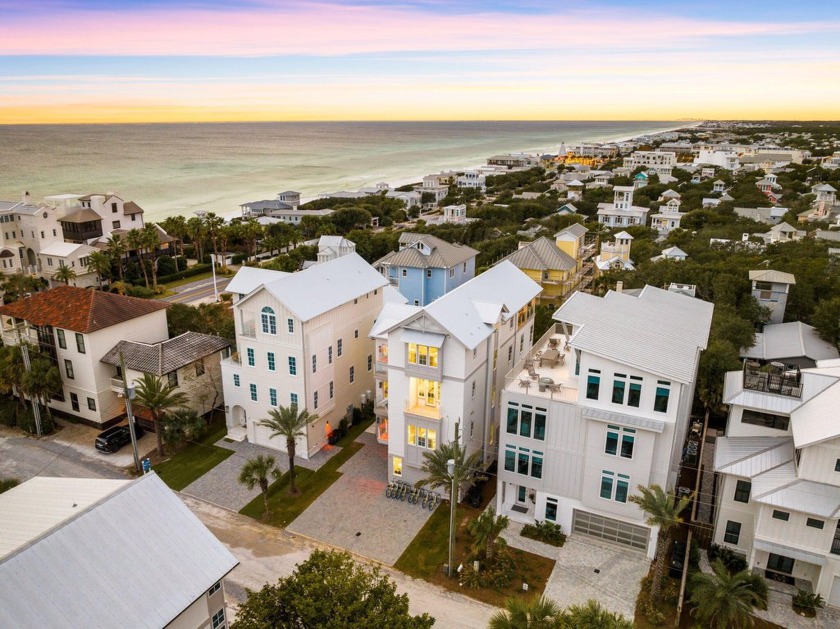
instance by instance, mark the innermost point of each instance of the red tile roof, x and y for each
(79, 309)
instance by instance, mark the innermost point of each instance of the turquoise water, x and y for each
(179, 168)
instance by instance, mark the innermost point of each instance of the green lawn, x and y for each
(195, 460)
(285, 507)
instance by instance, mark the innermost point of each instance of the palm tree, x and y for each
(485, 530)
(196, 232)
(537, 613)
(176, 226)
(158, 399)
(724, 600)
(117, 248)
(183, 424)
(252, 231)
(288, 422)
(136, 242)
(662, 510)
(592, 616)
(213, 224)
(11, 371)
(256, 472)
(64, 274)
(42, 381)
(151, 242)
(99, 262)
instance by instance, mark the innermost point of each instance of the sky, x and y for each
(94, 61)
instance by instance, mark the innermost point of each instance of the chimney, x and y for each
(26, 198)
(619, 286)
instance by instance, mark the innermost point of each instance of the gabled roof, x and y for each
(751, 456)
(248, 278)
(780, 487)
(109, 564)
(575, 229)
(325, 286)
(618, 327)
(443, 254)
(61, 249)
(542, 255)
(130, 207)
(674, 252)
(85, 215)
(816, 420)
(390, 316)
(165, 356)
(779, 277)
(790, 340)
(80, 309)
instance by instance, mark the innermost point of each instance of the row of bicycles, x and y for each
(398, 490)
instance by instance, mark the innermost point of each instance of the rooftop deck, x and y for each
(774, 377)
(551, 359)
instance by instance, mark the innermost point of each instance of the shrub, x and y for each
(8, 410)
(498, 575)
(645, 605)
(166, 265)
(140, 291)
(546, 532)
(239, 258)
(807, 603)
(758, 584)
(26, 421)
(733, 561)
(180, 263)
(198, 269)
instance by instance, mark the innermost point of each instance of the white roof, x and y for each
(393, 296)
(334, 241)
(65, 249)
(621, 327)
(779, 277)
(674, 252)
(751, 456)
(248, 278)
(816, 419)
(790, 340)
(325, 286)
(30, 510)
(138, 555)
(779, 487)
(390, 316)
(623, 235)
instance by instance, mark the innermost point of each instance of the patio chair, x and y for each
(525, 383)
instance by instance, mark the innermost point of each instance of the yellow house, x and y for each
(548, 265)
(571, 240)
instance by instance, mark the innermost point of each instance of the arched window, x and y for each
(269, 321)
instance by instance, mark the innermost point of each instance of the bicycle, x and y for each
(403, 492)
(390, 489)
(434, 502)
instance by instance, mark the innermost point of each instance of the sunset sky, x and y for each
(208, 60)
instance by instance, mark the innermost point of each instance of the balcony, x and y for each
(234, 358)
(380, 409)
(117, 385)
(420, 409)
(19, 333)
(776, 378)
(550, 359)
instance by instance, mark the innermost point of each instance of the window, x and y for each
(428, 273)
(252, 360)
(216, 587)
(315, 400)
(784, 516)
(115, 224)
(62, 342)
(355, 334)
(352, 375)
(397, 466)
(332, 389)
(199, 367)
(524, 461)
(91, 403)
(404, 273)
(370, 362)
(290, 325)
(80, 343)
(272, 365)
(780, 563)
(836, 463)
(521, 343)
(272, 397)
(172, 377)
(422, 437)
(68, 369)
(767, 420)
(269, 321)
(339, 347)
(551, 509)
(614, 486)
(422, 355)
(236, 382)
(253, 388)
(113, 208)
(634, 397)
(329, 355)
(619, 385)
(74, 402)
(593, 384)
(218, 619)
(473, 389)
(293, 399)
(525, 421)
(814, 523)
(742, 491)
(733, 532)
(510, 354)
(292, 366)
(625, 436)
(660, 402)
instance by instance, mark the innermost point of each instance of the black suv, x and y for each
(677, 559)
(115, 438)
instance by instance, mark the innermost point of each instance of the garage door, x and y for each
(610, 529)
(834, 597)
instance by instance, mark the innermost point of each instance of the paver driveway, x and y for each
(355, 514)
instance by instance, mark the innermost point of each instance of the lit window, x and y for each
(397, 466)
(422, 355)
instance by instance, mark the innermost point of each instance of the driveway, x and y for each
(354, 513)
(81, 438)
(266, 553)
(586, 569)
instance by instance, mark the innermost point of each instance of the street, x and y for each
(200, 290)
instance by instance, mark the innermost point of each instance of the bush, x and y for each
(140, 291)
(645, 605)
(239, 258)
(198, 269)
(498, 575)
(8, 410)
(26, 421)
(733, 561)
(546, 532)
(807, 603)
(166, 265)
(180, 263)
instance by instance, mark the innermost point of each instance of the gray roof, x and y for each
(268, 204)
(778, 277)
(825, 234)
(166, 356)
(750, 456)
(790, 340)
(137, 556)
(443, 254)
(658, 331)
(575, 229)
(542, 255)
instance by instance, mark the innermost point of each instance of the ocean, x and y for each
(171, 169)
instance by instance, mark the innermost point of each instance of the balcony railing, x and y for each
(775, 378)
(422, 410)
(19, 334)
(117, 385)
(235, 358)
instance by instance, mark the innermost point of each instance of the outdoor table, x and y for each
(544, 383)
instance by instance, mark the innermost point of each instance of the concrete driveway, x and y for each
(354, 513)
(81, 439)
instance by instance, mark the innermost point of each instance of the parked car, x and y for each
(677, 559)
(115, 437)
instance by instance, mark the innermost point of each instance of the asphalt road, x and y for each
(198, 291)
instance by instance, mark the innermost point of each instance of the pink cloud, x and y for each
(334, 29)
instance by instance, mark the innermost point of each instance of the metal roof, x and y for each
(790, 340)
(788, 551)
(779, 277)
(542, 255)
(165, 356)
(816, 420)
(248, 278)
(658, 331)
(781, 488)
(613, 417)
(390, 316)
(575, 229)
(442, 254)
(750, 456)
(137, 556)
(61, 249)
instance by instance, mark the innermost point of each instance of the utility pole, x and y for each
(36, 408)
(453, 498)
(128, 393)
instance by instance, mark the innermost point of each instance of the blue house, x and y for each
(425, 267)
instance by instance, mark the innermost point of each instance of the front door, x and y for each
(521, 494)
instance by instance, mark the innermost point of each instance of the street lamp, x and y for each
(450, 467)
(202, 214)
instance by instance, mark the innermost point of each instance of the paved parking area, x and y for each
(354, 513)
(81, 438)
(220, 486)
(588, 569)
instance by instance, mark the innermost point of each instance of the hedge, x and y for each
(198, 269)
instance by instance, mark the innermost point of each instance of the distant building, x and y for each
(668, 218)
(332, 247)
(769, 215)
(792, 343)
(671, 253)
(621, 212)
(771, 289)
(616, 254)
